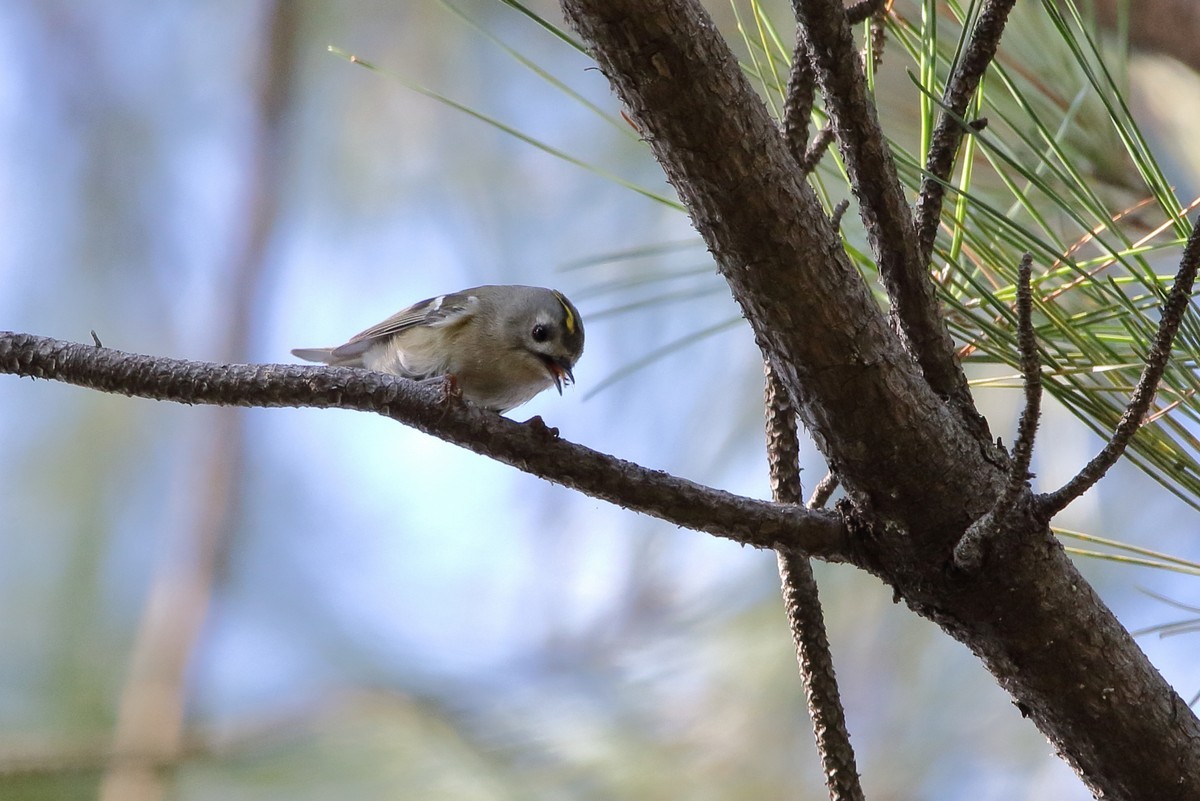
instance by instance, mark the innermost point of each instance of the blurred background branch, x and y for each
(149, 736)
(1163, 26)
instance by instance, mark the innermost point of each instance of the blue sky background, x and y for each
(394, 612)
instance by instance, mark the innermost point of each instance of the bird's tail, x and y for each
(325, 356)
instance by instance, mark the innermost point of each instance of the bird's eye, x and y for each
(540, 332)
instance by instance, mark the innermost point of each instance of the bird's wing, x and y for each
(444, 310)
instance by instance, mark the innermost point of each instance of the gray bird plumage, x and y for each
(502, 344)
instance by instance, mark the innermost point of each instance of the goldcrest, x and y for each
(502, 344)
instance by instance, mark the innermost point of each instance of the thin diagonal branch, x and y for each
(150, 713)
(948, 133)
(1176, 304)
(1031, 372)
(815, 150)
(801, 93)
(882, 204)
(783, 440)
(1009, 511)
(876, 39)
(531, 447)
(823, 491)
(798, 104)
(803, 609)
(839, 211)
(802, 603)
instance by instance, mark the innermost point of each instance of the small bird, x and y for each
(501, 344)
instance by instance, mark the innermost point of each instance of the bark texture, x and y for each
(916, 473)
(830, 45)
(530, 446)
(802, 604)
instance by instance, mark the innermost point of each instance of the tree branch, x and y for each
(876, 39)
(823, 491)
(809, 307)
(531, 446)
(1176, 304)
(798, 103)
(1007, 515)
(861, 10)
(802, 603)
(797, 109)
(1031, 372)
(948, 133)
(151, 710)
(882, 204)
(916, 472)
(816, 151)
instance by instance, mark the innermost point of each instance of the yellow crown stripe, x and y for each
(570, 321)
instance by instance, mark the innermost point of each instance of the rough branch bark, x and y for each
(531, 446)
(948, 134)
(825, 31)
(773, 243)
(802, 604)
(916, 475)
(1177, 304)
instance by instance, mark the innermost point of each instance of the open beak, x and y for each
(560, 371)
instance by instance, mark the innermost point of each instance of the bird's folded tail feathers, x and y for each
(327, 356)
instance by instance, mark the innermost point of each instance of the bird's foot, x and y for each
(451, 391)
(539, 425)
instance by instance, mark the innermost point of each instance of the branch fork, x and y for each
(968, 553)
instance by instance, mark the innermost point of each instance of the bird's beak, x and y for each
(560, 371)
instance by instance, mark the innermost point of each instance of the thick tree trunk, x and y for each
(917, 471)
